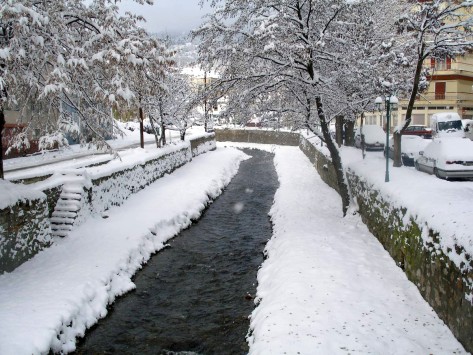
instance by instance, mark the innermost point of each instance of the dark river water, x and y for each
(193, 297)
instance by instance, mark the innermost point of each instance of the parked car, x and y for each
(410, 148)
(447, 124)
(418, 130)
(374, 137)
(447, 157)
(468, 128)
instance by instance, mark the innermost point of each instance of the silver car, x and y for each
(447, 157)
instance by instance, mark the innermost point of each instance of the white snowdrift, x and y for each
(328, 286)
(51, 299)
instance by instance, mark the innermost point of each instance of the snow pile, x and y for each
(51, 299)
(116, 181)
(328, 286)
(440, 205)
(11, 194)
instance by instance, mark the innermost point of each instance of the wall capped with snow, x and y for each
(24, 225)
(444, 281)
(322, 163)
(416, 249)
(203, 144)
(257, 136)
(114, 189)
(111, 186)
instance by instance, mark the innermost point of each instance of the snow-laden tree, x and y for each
(281, 46)
(76, 60)
(368, 67)
(436, 29)
(174, 107)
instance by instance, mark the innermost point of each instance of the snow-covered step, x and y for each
(71, 196)
(64, 214)
(61, 227)
(76, 188)
(60, 233)
(62, 220)
(68, 205)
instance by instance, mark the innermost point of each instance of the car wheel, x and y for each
(416, 165)
(436, 172)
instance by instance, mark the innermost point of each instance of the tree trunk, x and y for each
(397, 149)
(349, 133)
(339, 130)
(410, 106)
(182, 132)
(155, 131)
(2, 126)
(142, 138)
(163, 134)
(336, 159)
(362, 136)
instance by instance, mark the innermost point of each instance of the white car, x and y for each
(468, 128)
(375, 137)
(447, 157)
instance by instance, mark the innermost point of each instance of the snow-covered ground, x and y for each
(50, 300)
(76, 156)
(327, 285)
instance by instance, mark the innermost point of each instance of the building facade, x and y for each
(450, 90)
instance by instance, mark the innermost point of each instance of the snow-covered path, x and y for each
(49, 300)
(328, 286)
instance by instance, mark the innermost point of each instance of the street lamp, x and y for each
(390, 103)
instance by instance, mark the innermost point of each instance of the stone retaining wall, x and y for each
(24, 231)
(443, 285)
(257, 136)
(322, 163)
(25, 226)
(114, 189)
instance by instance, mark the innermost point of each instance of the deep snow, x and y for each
(48, 301)
(327, 286)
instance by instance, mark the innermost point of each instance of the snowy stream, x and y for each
(196, 295)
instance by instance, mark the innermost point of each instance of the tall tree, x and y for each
(281, 45)
(76, 59)
(436, 29)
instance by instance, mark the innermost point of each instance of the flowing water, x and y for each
(195, 296)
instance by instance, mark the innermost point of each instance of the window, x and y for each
(440, 90)
(432, 62)
(441, 63)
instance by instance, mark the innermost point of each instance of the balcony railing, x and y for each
(453, 66)
(446, 97)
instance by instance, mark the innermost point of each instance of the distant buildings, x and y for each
(200, 81)
(450, 89)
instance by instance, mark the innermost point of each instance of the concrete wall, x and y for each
(257, 136)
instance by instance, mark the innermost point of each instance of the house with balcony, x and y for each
(450, 90)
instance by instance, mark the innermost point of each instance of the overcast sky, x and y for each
(169, 15)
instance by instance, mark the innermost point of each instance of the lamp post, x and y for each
(390, 103)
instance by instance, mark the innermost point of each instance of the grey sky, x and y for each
(169, 15)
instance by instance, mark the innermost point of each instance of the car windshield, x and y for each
(444, 126)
